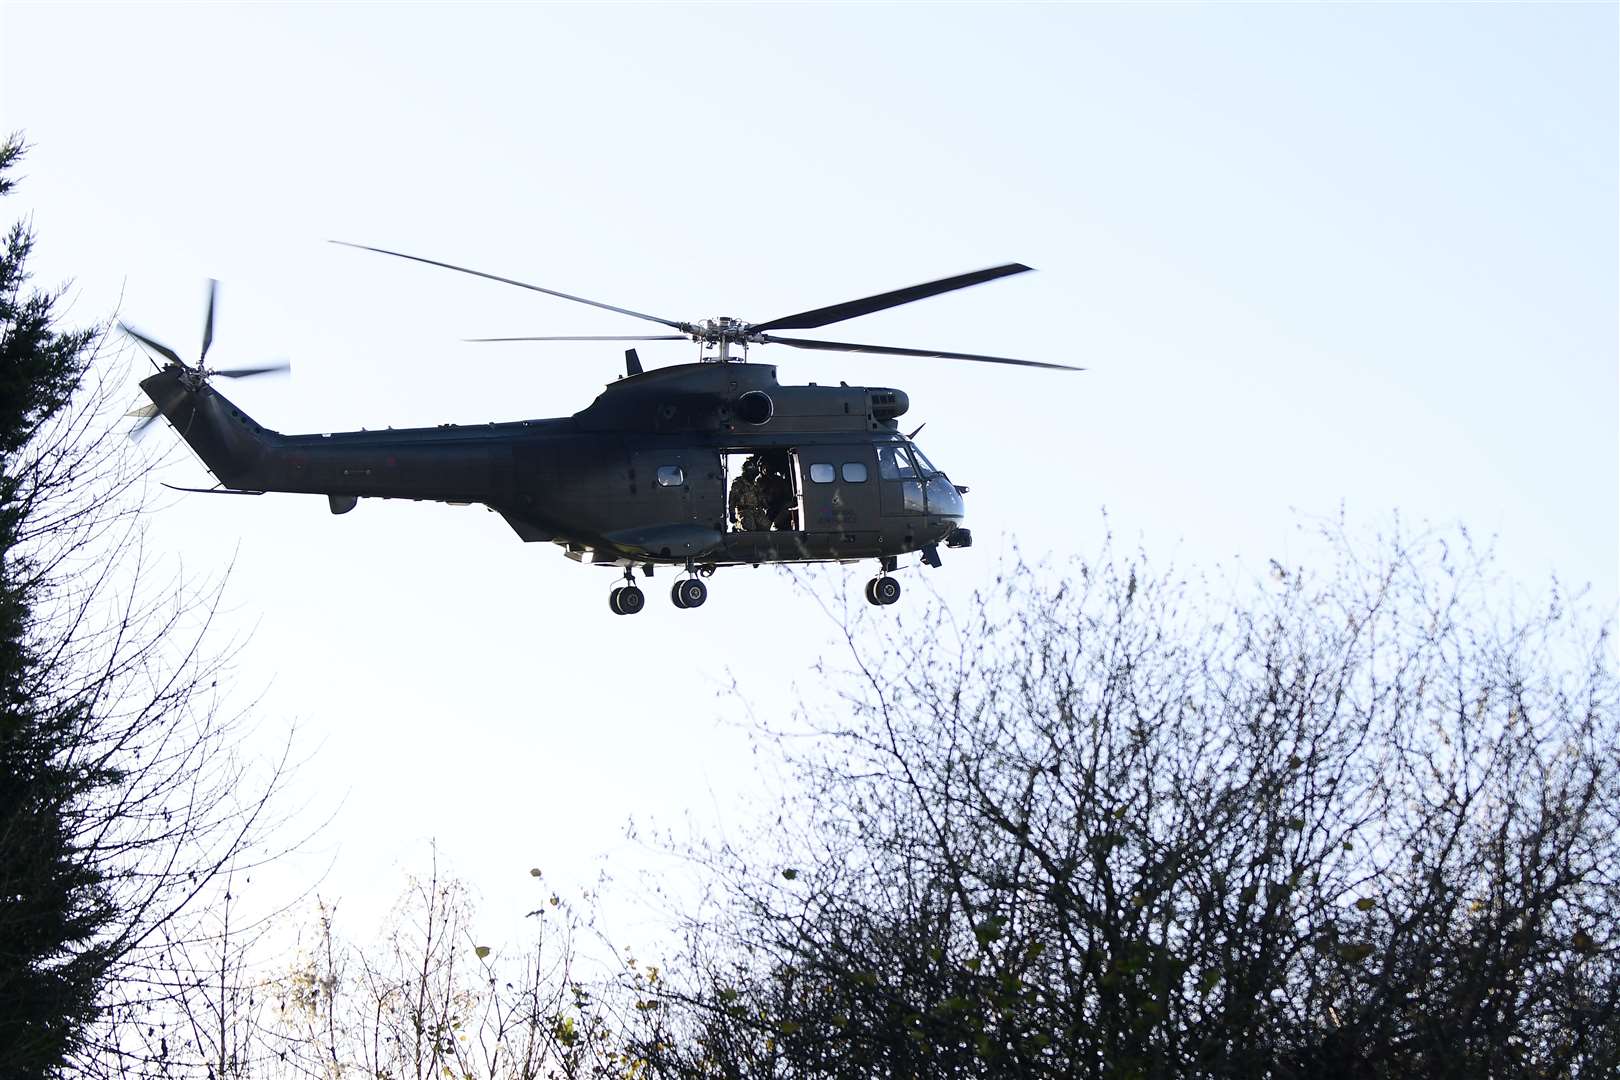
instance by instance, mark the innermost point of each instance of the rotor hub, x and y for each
(723, 333)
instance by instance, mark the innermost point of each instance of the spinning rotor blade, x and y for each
(208, 324)
(143, 426)
(806, 320)
(609, 337)
(157, 347)
(886, 350)
(244, 372)
(519, 284)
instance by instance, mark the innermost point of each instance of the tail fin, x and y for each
(229, 441)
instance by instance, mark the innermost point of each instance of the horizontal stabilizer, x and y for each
(213, 490)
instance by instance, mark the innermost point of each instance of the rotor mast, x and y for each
(721, 333)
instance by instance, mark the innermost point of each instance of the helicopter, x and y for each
(638, 478)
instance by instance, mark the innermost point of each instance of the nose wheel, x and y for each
(882, 591)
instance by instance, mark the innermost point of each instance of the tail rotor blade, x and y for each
(145, 425)
(208, 324)
(156, 346)
(244, 372)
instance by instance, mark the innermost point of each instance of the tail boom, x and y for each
(448, 464)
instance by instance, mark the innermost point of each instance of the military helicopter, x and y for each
(639, 477)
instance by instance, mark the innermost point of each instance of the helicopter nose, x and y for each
(945, 498)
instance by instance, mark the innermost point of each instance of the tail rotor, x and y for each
(194, 377)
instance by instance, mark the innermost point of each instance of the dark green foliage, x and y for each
(52, 903)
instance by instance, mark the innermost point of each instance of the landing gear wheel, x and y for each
(613, 601)
(885, 590)
(689, 593)
(870, 599)
(629, 600)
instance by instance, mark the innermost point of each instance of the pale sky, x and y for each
(1314, 257)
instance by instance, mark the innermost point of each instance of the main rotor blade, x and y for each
(208, 325)
(588, 337)
(887, 350)
(156, 346)
(244, 372)
(512, 281)
(806, 320)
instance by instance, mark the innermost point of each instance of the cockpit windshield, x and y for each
(922, 488)
(923, 463)
(900, 460)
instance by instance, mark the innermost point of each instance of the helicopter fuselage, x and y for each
(639, 477)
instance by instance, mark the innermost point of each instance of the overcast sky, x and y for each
(1315, 257)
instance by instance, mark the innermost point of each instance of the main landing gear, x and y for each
(628, 598)
(883, 590)
(689, 593)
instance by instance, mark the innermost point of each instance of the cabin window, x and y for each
(671, 476)
(821, 473)
(854, 472)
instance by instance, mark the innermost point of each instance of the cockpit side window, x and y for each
(894, 462)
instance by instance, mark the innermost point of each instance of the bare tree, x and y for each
(170, 801)
(129, 791)
(428, 1000)
(1115, 822)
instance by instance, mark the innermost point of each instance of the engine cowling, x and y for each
(886, 403)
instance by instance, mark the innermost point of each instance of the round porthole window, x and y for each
(755, 407)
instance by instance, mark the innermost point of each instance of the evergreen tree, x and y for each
(52, 900)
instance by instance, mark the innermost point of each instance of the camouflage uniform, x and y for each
(776, 493)
(748, 504)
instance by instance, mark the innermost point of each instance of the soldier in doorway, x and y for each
(748, 500)
(777, 490)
